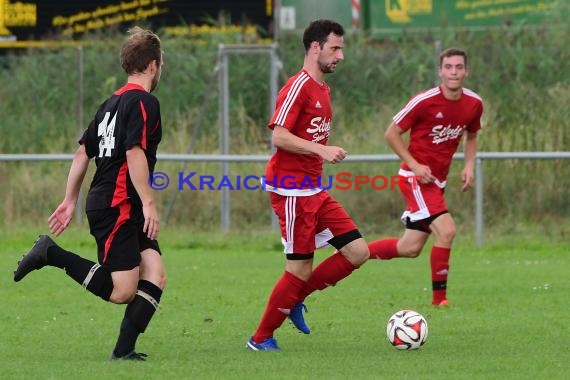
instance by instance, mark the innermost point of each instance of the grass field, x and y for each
(509, 317)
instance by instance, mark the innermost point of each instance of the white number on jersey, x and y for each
(106, 130)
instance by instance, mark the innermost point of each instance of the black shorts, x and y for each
(119, 234)
(424, 224)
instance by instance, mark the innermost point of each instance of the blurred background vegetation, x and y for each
(522, 73)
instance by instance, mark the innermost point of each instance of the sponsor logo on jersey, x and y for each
(439, 115)
(318, 104)
(441, 133)
(320, 128)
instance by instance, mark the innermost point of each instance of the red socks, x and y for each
(283, 298)
(290, 290)
(333, 269)
(384, 249)
(439, 260)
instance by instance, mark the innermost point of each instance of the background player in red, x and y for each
(123, 138)
(436, 119)
(309, 217)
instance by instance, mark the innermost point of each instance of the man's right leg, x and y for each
(297, 219)
(87, 273)
(416, 233)
(283, 298)
(384, 249)
(410, 245)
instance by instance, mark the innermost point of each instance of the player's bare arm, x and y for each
(61, 217)
(139, 173)
(283, 139)
(470, 150)
(394, 138)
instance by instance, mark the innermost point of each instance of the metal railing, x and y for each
(225, 212)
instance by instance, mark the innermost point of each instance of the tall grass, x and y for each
(521, 73)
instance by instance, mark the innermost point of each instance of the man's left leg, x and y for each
(141, 309)
(330, 271)
(443, 228)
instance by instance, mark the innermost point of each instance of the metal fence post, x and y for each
(479, 201)
(276, 66)
(224, 136)
(224, 53)
(80, 126)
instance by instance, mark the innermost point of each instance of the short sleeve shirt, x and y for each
(304, 108)
(436, 125)
(130, 117)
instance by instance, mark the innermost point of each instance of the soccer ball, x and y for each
(407, 330)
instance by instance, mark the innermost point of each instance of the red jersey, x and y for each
(436, 125)
(304, 108)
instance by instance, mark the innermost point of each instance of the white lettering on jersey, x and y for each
(321, 128)
(106, 130)
(442, 134)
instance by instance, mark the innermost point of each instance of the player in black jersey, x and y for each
(122, 138)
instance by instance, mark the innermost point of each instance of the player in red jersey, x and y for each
(123, 139)
(309, 217)
(436, 119)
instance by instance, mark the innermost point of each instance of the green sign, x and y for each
(297, 14)
(392, 16)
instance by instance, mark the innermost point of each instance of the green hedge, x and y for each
(522, 74)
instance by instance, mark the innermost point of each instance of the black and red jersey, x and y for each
(130, 117)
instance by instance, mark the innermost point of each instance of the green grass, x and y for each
(508, 319)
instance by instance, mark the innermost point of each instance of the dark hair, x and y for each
(452, 52)
(319, 31)
(140, 48)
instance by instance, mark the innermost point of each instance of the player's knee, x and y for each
(301, 269)
(363, 255)
(153, 271)
(155, 274)
(358, 256)
(410, 250)
(157, 277)
(162, 281)
(412, 253)
(447, 235)
(122, 295)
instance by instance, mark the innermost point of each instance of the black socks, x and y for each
(85, 272)
(137, 316)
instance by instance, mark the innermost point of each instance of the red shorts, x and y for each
(309, 222)
(422, 201)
